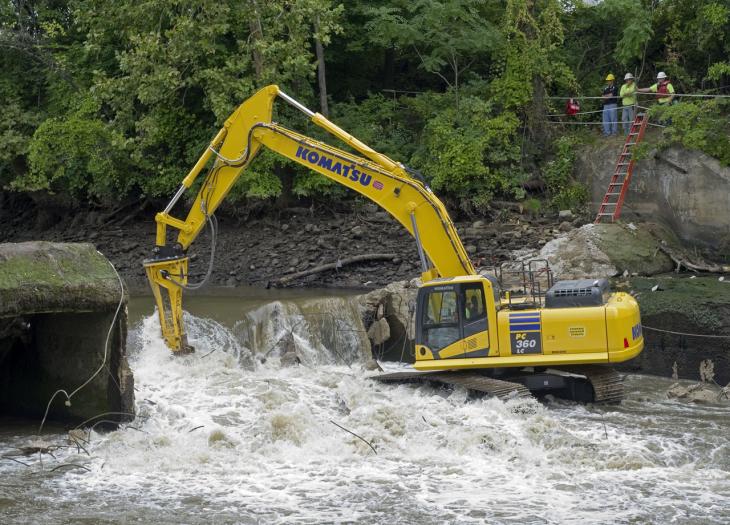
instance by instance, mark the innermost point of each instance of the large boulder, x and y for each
(604, 250)
(59, 305)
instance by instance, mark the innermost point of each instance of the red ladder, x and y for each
(619, 186)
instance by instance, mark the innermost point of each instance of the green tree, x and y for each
(79, 156)
(448, 37)
(532, 62)
(183, 66)
(472, 153)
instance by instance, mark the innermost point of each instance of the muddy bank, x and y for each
(259, 251)
(672, 308)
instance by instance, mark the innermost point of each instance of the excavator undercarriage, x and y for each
(584, 384)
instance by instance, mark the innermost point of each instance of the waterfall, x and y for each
(324, 330)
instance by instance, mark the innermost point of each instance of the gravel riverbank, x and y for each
(261, 250)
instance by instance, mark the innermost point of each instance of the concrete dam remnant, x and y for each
(57, 305)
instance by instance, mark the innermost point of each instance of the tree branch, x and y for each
(335, 265)
(434, 72)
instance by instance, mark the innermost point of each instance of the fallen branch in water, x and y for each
(72, 465)
(336, 265)
(358, 437)
(79, 446)
(108, 414)
(16, 460)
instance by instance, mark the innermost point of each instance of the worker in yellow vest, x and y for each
(628, 102)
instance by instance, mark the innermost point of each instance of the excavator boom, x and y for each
(395, 188)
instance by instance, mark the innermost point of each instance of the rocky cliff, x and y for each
(685, 190)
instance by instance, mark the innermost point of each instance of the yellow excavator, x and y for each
(467, 331)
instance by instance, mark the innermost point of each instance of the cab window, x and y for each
(440, 319)
(475, 312)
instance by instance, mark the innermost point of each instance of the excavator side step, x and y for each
(584, 384)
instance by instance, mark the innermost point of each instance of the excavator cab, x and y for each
(454, 316)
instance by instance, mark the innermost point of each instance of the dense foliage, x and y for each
(105, 100)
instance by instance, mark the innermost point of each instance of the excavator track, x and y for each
(585, 383)
(608, 385)
(469, 380)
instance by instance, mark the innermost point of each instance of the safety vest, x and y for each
(662, 89)
(663, 92)
(572, 107)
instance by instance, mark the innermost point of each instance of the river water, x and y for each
(221, 437)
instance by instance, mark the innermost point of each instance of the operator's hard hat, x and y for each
(661, 75)
(610, 77)
(628, 76)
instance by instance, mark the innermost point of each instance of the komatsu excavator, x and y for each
(467, 331)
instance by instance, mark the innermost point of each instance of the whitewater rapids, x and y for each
(222, 438)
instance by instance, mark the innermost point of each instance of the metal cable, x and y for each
(685, 333)
(590, 112)
(597, 123)
(642, 94)
(103, 362)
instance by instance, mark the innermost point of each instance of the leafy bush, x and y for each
(78, 155)
(564, 191)
(16, 128)
(471, 152)
(385, 124)
(532, 206)
(701, 125)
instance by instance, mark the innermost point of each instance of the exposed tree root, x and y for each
(679, 261)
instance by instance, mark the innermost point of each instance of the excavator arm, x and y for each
(399, 191)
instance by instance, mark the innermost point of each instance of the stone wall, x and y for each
(684, 305)
(686, 190)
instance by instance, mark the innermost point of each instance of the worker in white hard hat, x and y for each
(628, 102)
(663, 89)
(610, 109)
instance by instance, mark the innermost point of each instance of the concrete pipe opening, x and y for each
(58, 303)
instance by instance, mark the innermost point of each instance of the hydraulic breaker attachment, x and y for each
(167, 277)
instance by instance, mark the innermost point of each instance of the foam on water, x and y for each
(222, 438)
